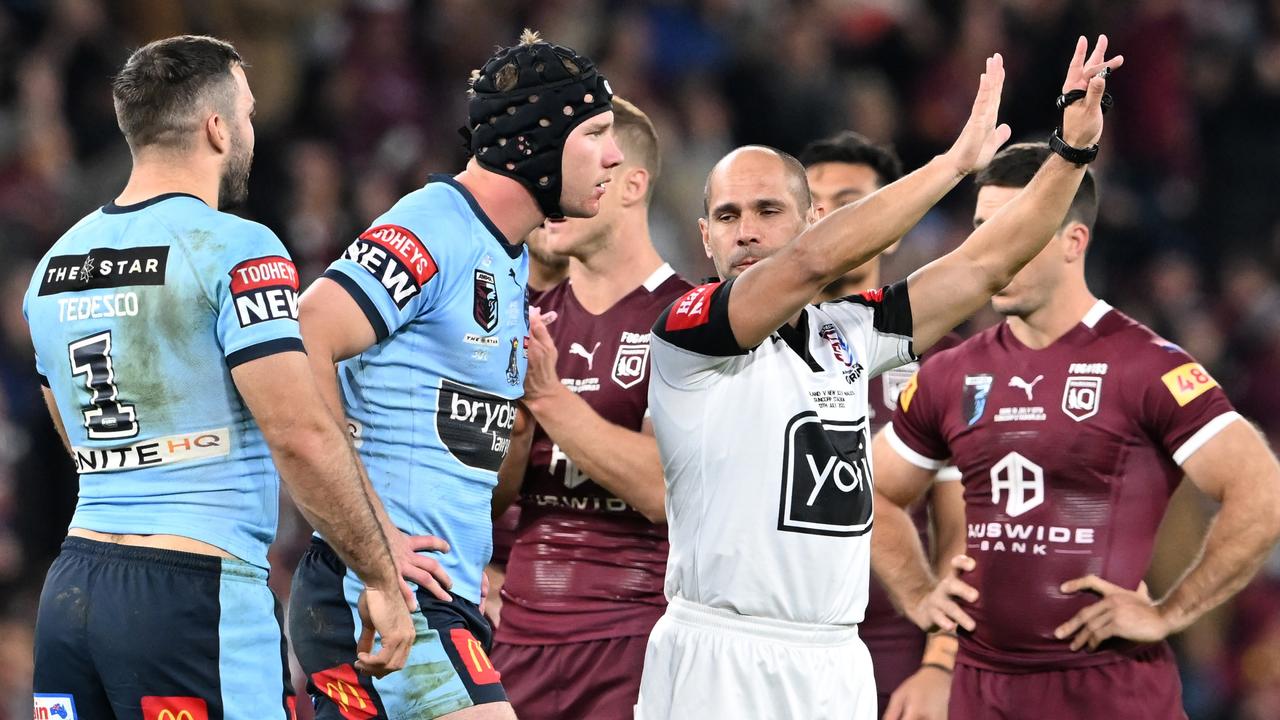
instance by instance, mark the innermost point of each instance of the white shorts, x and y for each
(703, 663)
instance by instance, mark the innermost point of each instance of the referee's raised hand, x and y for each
(1082, 120)
(981, 136)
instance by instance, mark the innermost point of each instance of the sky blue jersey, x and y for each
(137, 314)
(432, 403)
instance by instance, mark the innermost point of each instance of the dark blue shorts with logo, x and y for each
(130, 632)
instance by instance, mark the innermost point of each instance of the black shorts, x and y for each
(448, 668)
(130, 632)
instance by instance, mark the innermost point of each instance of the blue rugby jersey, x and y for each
(432, 403)
(137, 314)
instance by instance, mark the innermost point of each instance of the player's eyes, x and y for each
(726, 218)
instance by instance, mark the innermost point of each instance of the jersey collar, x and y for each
(112, 208)
(513, 249)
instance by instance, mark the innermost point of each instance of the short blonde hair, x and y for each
(638, 139)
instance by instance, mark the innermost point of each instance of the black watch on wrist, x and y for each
(1075, 155)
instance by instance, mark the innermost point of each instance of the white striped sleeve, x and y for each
(1204, 435)
(910, 455)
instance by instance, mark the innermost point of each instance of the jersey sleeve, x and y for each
(883, 318)
(694, 336)
(388, 270)
(1181, 406)
(256, 296)
(916, 430)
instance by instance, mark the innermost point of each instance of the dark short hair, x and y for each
(638, 138)
(797, 180)
(1014, 166)
(164, 84)
(855, 149)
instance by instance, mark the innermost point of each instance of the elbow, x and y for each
(299, 442)
(654, 505)
(654, 513)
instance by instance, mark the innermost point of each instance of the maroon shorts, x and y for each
(1145, 687)
(598, 679)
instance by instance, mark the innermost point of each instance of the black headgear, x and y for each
(520, 132)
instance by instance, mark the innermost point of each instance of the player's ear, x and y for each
(1075, 241)
(706, 239)
(634, 185)
(218, 133)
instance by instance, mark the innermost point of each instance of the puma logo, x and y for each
(1018, 382)
(576, 349)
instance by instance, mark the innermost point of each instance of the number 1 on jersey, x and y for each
(108, 418)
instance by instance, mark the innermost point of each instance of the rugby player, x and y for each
(422, 321)
(1072, 424)
(166, 332)
(583, 586)
(759, 403)
(842, 170)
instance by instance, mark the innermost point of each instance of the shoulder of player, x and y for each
(1135, 346)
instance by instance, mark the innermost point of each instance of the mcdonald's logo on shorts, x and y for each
(155, 707)
(474, 657)
(342, 686)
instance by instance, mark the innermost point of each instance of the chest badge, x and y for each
(485, 308)
(1080, 397)
(976, 390)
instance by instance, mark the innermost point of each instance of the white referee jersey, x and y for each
(767, 452)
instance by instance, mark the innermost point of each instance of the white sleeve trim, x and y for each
(1204, 435)
(908, 454)
(950, 473)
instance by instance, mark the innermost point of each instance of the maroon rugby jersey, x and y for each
(1069, 455)
(895, 643)
(585, 565)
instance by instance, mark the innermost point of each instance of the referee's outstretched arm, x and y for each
(951, 288)
(773, 291)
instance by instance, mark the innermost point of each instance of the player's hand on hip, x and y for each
(923, 696)
(385, 615)
(938, 610)
(1121, 613)
(1082, 120)
(540, 379)
(416, 567)
(981, 136)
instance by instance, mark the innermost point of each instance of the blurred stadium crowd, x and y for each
(357, 101)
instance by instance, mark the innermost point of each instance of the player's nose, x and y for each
(612, 156)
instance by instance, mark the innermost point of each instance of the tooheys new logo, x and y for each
(473, 425)
(397, 258)
(826, 478)
(263, 289)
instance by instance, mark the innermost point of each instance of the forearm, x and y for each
(897, 557)
(856, 233)
(1016, 233)
(1237, 543)
(511, 472)
(328, 486)
(624, 462)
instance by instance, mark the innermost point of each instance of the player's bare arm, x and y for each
(953, 287)
(511, 472)
(334, 329)
(322, 474)
(1236, 469)
(624, 462)
(51, 405)
(773, 290)
(897, 557)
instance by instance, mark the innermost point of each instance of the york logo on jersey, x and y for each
(397, 258)
(485, 307)
(1019, 482)
(826, 477)
(692, 309)
(1080, 397)
(473, 425)
(630, 365)
(105, 268)
(263, 289)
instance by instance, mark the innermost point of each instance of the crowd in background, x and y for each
(358, 101)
